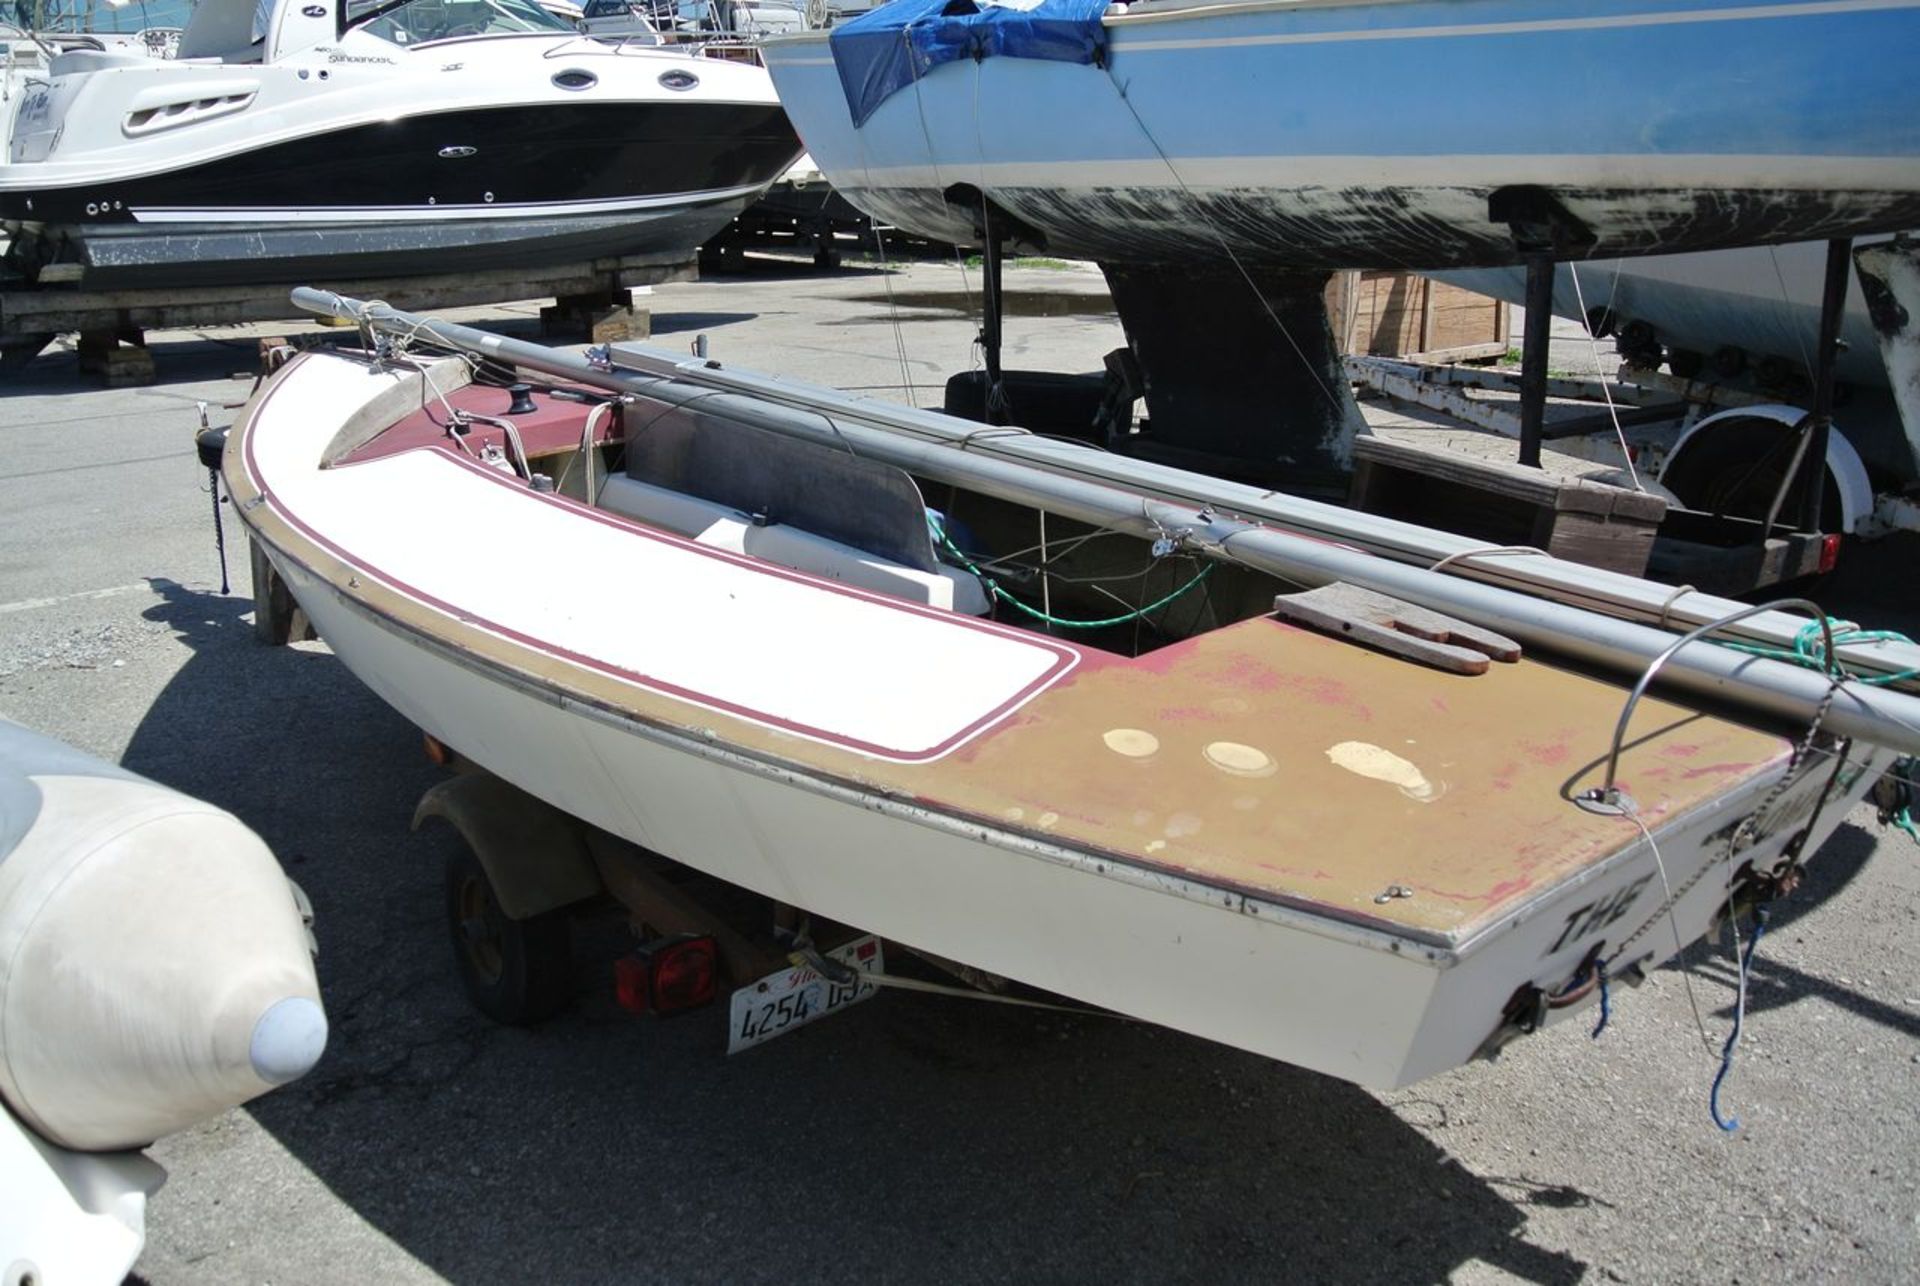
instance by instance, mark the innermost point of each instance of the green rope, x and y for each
(993, 588)
(1809, 649)
(1904, 820)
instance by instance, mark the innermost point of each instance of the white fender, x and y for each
(1843, 462)
(154, 969)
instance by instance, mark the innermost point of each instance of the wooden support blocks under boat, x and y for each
(620, 323)
(121, 365)
(1507, 504)
(606, 319)
(1392, 313)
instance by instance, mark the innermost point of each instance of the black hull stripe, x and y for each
(520, 155)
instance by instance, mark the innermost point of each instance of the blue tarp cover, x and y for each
(886, 49)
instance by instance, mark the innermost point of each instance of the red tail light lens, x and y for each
(631, 983)
(1829, 552)
(686, 975)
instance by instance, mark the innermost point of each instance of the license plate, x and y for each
(794, 997)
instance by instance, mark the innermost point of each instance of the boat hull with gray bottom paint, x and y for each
(1371, 135)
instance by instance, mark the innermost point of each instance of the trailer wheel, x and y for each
(516, 971)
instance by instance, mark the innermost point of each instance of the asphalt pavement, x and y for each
(912, 1138)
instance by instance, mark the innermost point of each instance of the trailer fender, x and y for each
(1845, 472)
(534, 855)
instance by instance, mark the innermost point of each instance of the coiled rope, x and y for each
(1809, 649)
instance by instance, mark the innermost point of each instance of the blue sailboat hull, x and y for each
(1372, 134)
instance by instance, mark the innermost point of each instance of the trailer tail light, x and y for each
(1829, 552)
(630, 983)
(668, 977)
(685, 974)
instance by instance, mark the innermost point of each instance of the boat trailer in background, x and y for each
(1242, 378)
(592, 297)
(1747, 506)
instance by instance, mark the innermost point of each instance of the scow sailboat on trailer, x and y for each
(1372, 829)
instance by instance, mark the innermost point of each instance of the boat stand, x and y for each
(1238, 365)
(994, 228)
(1544, 233)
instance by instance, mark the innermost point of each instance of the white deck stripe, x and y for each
(782, 650)
(1748, 13)
(1281, 177)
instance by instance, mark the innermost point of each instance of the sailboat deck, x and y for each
(1259, 759)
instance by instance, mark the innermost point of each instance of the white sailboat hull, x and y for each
(1359, 1005)
(1350, 994)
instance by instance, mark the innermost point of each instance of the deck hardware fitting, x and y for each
(1607, 793)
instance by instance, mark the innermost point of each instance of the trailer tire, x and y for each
(516, 972)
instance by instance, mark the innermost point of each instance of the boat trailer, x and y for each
(593, 296)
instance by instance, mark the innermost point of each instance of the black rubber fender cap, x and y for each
(211, 444)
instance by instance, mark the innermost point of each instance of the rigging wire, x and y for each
(1206, 217)
(1606, 387)
(893, 315)
(1760, 916)
(1786, 305)
(1673, 923)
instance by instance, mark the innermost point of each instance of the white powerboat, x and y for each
(1719, 313)
(355, 138)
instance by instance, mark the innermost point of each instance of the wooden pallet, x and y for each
(1507, 504)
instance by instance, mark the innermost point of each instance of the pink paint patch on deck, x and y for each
(1188, 714)
(1324, 692)
(1548, 753)
(1716, 770)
